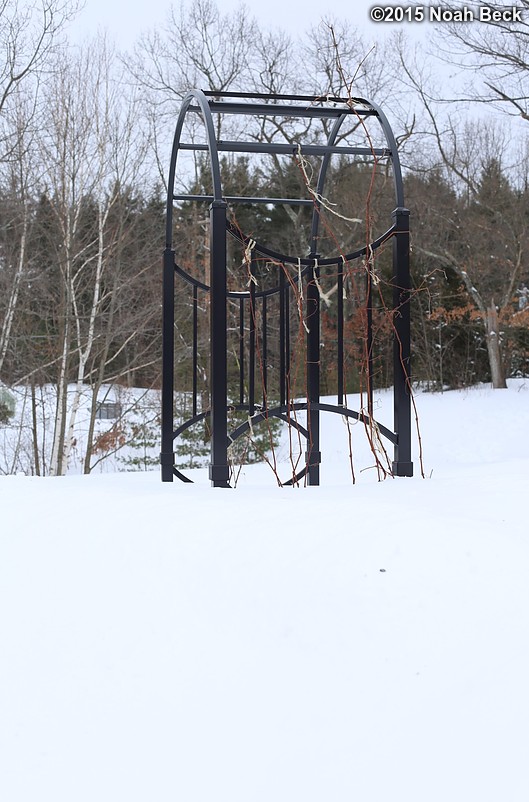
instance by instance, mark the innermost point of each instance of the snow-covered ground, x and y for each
(175, 643)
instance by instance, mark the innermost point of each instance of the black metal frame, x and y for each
(339, 110)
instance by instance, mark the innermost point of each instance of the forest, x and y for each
(85, 137)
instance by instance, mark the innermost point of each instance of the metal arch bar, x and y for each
(195, 282)
(308, 261)
(171, 179)
(239, 431)
(395, 159)
(182, 476)
(282, 258)
(360, 416)
(204, 107)
(282, 414)
(234, 437)
(300, 474)
(219, 470)
(276, 412)
(191, 422)
(168, 317)
(288, 483)
(211, 141)
(301, 406)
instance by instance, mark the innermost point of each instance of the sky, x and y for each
(124, 20)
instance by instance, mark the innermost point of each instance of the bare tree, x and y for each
(199, 46)
(495, 50)
(29, 36)
(476, 155)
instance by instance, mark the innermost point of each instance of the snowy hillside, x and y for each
(175, 643)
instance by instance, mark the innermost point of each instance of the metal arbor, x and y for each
(336, 111)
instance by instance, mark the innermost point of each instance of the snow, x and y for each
(174, 642)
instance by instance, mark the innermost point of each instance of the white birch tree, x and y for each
(87, 146)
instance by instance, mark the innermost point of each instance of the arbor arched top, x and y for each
(286, 106)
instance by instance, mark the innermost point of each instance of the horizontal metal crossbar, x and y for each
(287, 148)
(278, 110)
(244, 199)
(304, 98)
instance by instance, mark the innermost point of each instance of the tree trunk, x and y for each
(34, 428)
(492, 336)
(5, 332)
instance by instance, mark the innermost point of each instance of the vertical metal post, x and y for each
(241, 351)
(195, 348)
(282, 361)
(339, 331)
(265, 353)
(402, 465)
(369, 343)
(288, 389)
(251, 346)
(219, 472)
(167, 454)
(313, 455)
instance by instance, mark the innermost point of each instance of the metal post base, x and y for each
(167, 465)
(402, 468)
(313, 461)
(219, 475)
